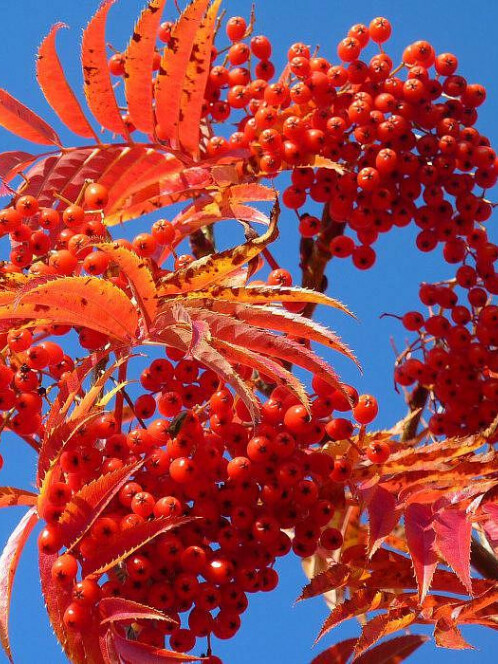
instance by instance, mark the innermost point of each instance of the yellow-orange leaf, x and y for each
(138, 67)
(22, 121)
(194, 85)
(264, 295)
(10, 496)
(210, 269)
(57, 91)
(171, 75)
(97, 80)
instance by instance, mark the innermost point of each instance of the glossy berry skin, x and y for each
(366, 410)
(378, 452)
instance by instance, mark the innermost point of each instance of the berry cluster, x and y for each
(406, 144)
(242, 487)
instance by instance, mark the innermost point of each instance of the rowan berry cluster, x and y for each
(242, 487)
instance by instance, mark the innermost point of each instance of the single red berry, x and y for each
(366, 410)
(378, 452)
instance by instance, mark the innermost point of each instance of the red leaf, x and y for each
(382, 625)
(261, 341)
(194, 86)
(278, 319)
(335, 577)
(134, 652)
(9, 561)
(119, 609)
(138, 67)
(171, 76)
(98, 86)
(88, 503)
(264, 365)
(12, 163)
(420, 537)
(23, 122)
(57, 91)
(382, 515)
(393, 651)
(453, 537)
(125, 543)
(337, 654)
(57, 598)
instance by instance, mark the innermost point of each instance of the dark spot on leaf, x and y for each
(136, 37)
(84, 301)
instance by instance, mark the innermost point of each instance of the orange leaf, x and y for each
(77, 301)
(9, 561)
(170, 80)
(57, 91)
(382, 625)
(266, 294)
(10, 496)
(393, 651)
(447, 635)
(139, 277)
(138, 67)
(97, 79)
(87, 504)
(23, 122)
(335, 577)
(381, 506)
(360, 602)
(267, 343)
(196, 78)
(181, 185)
(13, 162)
(125, 543)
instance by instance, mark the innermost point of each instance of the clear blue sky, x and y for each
(272, 630)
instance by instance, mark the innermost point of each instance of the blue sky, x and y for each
(272, 631)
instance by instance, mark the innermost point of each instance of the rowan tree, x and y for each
(188, 431)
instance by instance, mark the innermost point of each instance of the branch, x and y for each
(483, 561)
(418, 399)
(315, 256)
(202, 242)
